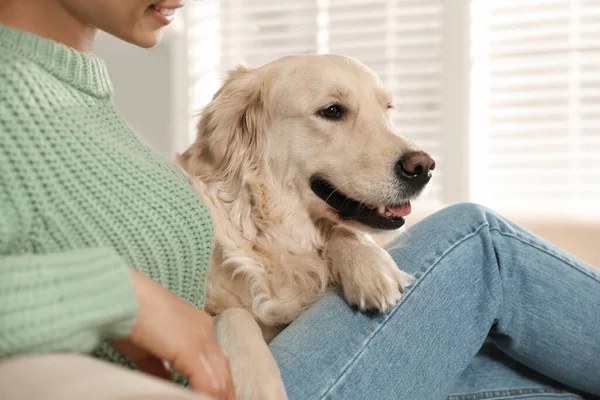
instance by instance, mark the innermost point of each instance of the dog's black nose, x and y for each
(415, 167)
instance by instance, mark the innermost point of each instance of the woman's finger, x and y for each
(145, 361)
(230, 389)
(156, 367)
(202, 374)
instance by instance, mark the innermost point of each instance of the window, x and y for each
(505, 95)
(535, 86)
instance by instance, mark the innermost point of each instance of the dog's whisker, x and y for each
(360, 208)
(336, 189)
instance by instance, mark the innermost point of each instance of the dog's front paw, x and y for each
(370, 278)
(377, 285)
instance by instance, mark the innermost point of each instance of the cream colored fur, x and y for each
(278, 246)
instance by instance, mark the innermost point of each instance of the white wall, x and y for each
(148, 84)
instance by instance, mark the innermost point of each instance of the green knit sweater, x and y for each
(82, 200)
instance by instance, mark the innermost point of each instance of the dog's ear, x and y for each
(231, 130)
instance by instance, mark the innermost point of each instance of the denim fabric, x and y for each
(495, 313)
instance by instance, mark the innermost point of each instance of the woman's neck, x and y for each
(47, 18)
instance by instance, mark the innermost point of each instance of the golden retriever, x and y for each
(304, 175)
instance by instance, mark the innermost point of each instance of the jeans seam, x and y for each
(510, 394)
(402, 301)
(546, 251)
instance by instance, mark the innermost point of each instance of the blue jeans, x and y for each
(495, 313)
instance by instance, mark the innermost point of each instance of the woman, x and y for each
(103, 245)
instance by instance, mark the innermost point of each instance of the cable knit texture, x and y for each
(81, 200)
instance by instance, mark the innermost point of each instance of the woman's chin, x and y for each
(147, 39)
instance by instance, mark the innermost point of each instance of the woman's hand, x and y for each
(170, 329)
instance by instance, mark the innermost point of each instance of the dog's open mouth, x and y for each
(384, 217)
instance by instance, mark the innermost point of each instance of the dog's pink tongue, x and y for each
(401, 211)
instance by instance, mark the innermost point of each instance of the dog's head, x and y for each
(319, 125)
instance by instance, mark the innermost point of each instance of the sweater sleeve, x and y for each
(64, 302)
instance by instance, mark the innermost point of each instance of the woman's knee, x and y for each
(465, 213)
(468, 210)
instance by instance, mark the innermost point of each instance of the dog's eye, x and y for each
(332, 112)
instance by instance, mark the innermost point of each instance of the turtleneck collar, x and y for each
(82, 70)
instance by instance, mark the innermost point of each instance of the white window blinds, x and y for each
(259, 31)
(536, 104)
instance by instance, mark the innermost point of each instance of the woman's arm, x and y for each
(73, 300)
(66, 301)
